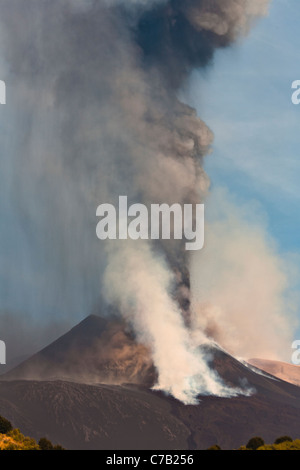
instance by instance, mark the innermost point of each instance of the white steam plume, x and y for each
(146, 301)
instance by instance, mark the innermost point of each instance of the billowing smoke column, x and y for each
(94, 114)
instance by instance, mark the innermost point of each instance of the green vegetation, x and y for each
(45, 444)
(5, 425)
(257, 443)
(13, 439)
(286, 445)
(281, 439)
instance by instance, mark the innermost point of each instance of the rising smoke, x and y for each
(93, 114)
(241, 287)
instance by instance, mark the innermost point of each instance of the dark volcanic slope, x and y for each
(96, 350)
(98, 416)
(272, 410)
(80, 416)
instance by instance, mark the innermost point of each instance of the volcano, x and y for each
(96, 350)
(91, 389)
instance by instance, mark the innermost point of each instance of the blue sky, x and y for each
(245, 98)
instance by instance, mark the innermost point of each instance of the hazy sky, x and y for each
(246, 100)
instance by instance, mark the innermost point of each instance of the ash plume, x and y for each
(94, 114)
(259, 317)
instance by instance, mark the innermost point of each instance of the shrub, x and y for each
(16, 435)
(21, 441)
(295, 445)
(215, 447)
(5, 425)
(281, 439)
(45, 444)
(255, 443)
(287, 445)
(12, 446)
